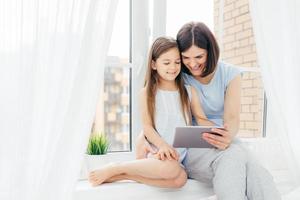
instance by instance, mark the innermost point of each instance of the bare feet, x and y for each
(100, 176)
(116, 178)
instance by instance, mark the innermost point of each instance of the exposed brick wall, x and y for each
(238, 48)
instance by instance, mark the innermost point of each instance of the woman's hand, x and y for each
(165, 151)
(221, 141)
(143, 147)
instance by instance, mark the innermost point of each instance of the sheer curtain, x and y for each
(52, 54)
(277, 34)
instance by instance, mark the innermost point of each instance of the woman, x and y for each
(232, 173)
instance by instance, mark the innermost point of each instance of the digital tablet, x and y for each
(191, 136)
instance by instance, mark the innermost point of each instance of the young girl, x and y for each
(165, 104)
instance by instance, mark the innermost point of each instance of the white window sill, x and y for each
(132, 190)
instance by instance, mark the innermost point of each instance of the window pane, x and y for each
(119, 44)
(180, 12)
(113, 110)
(117, 106)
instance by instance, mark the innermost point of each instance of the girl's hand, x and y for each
(167, 152)
(221, 141)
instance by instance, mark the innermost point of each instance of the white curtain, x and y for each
(52, 55)
(277, 33)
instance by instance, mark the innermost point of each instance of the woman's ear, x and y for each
(153, 64)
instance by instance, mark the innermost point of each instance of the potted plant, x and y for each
(98, 144)
(96, 154)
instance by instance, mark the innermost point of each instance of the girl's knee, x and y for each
(170, 169)
(181, 180)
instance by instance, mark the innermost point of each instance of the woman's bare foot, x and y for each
(100, 176)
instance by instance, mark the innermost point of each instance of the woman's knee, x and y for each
(232, 159)
(235, 152)
(256, 171)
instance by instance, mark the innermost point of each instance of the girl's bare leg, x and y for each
(176, 182)
(149, 168)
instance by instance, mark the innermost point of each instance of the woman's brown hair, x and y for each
(162, 45)
(198, 34)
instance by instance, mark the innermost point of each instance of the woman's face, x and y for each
(195, 59)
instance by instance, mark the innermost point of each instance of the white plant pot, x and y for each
(91, 163)
(94, 162)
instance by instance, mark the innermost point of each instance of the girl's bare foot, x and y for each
(116, 178)
(100, 176)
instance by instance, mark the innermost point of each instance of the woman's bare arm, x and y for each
(232, 106)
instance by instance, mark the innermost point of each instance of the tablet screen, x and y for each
(191, 136)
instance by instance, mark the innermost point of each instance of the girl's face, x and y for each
(195, 59)
(168, 65)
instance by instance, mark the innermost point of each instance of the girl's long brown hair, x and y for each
(160, 46)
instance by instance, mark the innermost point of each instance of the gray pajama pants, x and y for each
(232, 173)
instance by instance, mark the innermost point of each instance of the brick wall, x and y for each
(238, 48)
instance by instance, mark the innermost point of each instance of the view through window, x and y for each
(113, 119)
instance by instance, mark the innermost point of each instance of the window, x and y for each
(113, 112)
(179, 13)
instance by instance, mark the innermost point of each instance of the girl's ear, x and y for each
(153, 64)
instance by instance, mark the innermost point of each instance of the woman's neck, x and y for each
(205, 80)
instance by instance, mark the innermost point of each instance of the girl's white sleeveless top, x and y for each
(168, 116)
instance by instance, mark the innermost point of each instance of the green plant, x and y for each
(98, 144)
